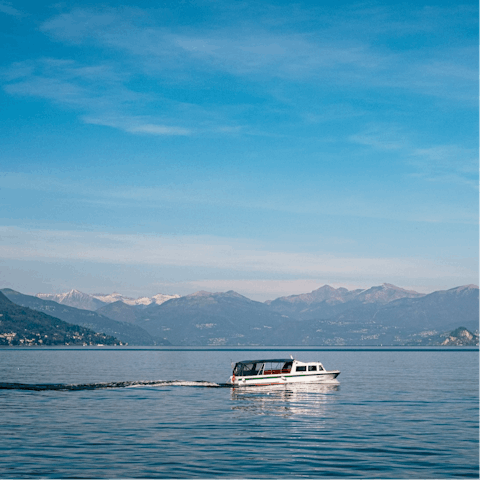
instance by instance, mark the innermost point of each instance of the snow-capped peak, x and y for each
(158, 299)
(109, 297)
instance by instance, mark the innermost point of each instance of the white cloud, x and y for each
(448, 158)
(242, 49)
(348, 49)
(97, 193)
(6, 7)
(96, 89)
(138, 125)
(210, 252)
(83, 87)
(379, 138)
(446, 163)
(160, 130)
(257, 50)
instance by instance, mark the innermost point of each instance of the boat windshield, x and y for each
(245, 369)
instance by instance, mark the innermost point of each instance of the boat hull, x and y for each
(281, 379)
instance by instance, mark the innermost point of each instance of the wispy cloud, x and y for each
(447, 164)
(440, 163)
(263, 103)
(97, 90)
(234, 255)
(383, 137)
(276, 47)
(243, 49)
(88, 87)
(211, 194)
(6, 7)
(349, 50)
(137, 125)
(152, 129)
(207, 194)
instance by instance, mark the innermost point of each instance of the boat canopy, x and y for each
(259, 367)
(268, 360)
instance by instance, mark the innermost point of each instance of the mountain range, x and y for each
(380, 315)
(77, 299)
(326, 301)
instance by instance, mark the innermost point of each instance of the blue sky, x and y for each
(268, 148)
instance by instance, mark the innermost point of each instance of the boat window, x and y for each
(245, 369)
(287, 366)
(249, 369)
(301, 369)
(312, 368)
(263, 368)
(274, 368)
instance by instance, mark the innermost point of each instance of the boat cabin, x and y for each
(277, 366)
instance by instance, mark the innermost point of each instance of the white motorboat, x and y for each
(280, 371)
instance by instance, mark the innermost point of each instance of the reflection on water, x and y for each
(285, 400)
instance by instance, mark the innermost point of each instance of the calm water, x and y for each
(394, 414)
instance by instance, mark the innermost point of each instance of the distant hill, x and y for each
(327, 302)
(404, 321)
(322, 294)
(205, 318)
(441, 310)
(461, 337)
(127, 333)
(24, 326)
(121, 312)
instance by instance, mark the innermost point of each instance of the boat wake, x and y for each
(105, 385)
(178, 383)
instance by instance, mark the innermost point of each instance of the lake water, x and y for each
(393, 414)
